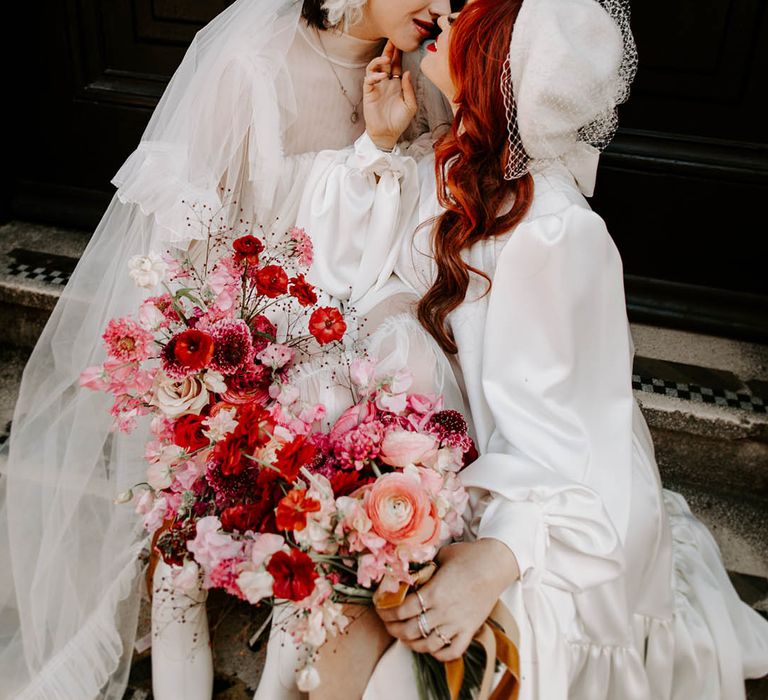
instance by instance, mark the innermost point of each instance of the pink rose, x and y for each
(401, 510)
(402, 447)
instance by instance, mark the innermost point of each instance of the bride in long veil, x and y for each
(261, 89)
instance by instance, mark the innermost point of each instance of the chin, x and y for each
(406, 41)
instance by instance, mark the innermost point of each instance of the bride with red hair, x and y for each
(617, 590)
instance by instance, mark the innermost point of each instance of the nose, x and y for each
(442, 22)
(438, 8)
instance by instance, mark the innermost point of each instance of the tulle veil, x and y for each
(69, 567)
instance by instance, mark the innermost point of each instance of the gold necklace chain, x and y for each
(355, 116)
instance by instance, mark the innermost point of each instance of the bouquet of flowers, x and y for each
(246, 490)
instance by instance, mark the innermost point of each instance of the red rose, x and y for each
(293, 456)
(292, 510)
(327, 324)
(192, 349)
(229, 452)
(294, 574)
(263, 332)
(247, 248)
(188, 432)
(303, 291)
(271, 281)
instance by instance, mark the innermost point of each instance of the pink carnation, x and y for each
(126, 340)
(224, 575)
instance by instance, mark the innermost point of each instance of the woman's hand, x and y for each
(458, 598)
(389, 100)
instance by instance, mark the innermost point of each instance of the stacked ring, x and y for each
(446, 641)
(424, 627)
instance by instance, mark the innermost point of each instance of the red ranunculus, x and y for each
(243, 517)
(271, 281)
(249, 385)
(293, 508)
(188, 432)
(294, 574)
(192, 348)
(247, 248)
(263, 331)
(293, 456)
(327, 324)
(303, 291)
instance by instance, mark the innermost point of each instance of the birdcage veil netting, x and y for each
(570, 64)
(69, 577)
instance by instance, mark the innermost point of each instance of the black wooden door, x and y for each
(682, 188)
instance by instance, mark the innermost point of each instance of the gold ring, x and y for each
(421, 601)
(446, 641)
(395, 77)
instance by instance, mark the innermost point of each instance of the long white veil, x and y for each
(69, 573)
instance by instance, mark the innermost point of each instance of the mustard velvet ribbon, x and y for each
(492, 636)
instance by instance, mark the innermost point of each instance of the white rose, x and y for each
(177, 397)
(255, 585)
(147, 271)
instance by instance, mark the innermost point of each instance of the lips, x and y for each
(425, 29)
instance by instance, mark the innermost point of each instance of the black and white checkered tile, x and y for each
(701, 394)
(42, 267)
(39, 273)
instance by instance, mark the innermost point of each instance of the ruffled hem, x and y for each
(714, 640)
(96, 656)
(149, 179)
(705, 649)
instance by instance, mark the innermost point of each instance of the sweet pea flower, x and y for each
(307, 679)
(402, 447)
(276, 355)
(211, 546)
(264, 546)
(255, 585)
(220, 425)
(185, 579)
(362, 373)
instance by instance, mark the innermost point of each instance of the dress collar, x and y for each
(343, 49)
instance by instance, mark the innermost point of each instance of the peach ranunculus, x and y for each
(401, 510)
(402, 447)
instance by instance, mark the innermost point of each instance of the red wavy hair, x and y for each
(470, 160)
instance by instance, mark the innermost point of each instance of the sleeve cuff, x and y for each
(369, 158)
(520, 526)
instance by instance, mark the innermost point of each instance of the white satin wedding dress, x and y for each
(623, 594)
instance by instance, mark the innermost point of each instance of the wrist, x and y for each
(503, 560)
(384, 142)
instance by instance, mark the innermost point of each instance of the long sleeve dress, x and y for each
(622, 593)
